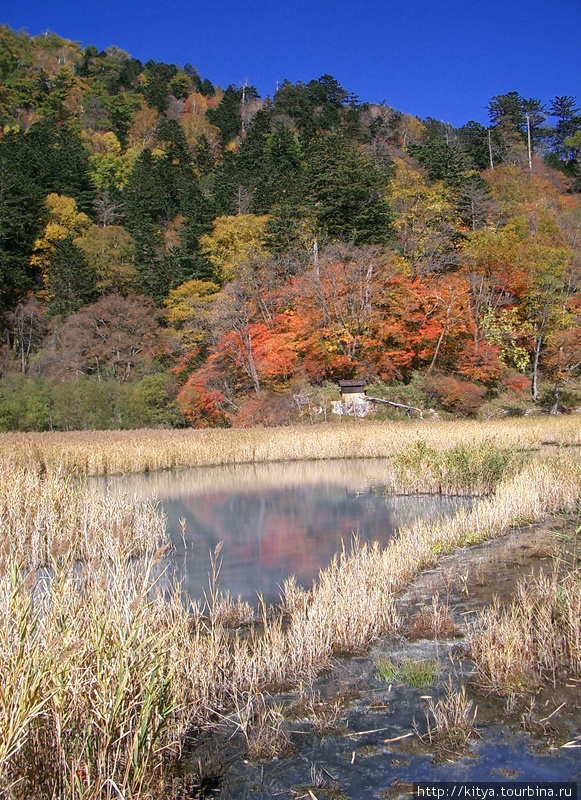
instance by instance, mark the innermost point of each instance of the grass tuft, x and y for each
(418, 674)
(451, 720)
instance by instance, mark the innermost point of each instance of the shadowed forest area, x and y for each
(177, 254)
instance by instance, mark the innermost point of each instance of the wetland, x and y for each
(112, 685)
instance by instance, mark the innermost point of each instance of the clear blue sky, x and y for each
(438, 58)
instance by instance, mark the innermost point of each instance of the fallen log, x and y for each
(397, 405)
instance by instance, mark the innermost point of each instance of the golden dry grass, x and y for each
(536, 637)
(118, 452)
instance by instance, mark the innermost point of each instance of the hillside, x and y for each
(177, 253)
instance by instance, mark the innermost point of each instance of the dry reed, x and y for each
(536, 637)
(118, 452)
(451, 720)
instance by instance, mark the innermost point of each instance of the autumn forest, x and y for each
(173, 253)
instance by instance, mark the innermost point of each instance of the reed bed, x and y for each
(119, 452)
(537, 637)
(45, 518)
(104, 676)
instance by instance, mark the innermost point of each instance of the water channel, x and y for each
(273, 520)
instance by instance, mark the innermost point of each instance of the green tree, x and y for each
(226, 116)
(441, 153)
(25, 404)
(70, 283)
(345, 191)
(158, 76)
(568, 117)
(20, 224)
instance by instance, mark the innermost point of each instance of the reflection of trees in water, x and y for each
(356, 474)
(270, 532)
(407, 508)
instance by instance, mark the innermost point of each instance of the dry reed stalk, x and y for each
(87, 699)
(451, 720)
(52, 516)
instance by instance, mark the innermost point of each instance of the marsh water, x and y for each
(274, 520)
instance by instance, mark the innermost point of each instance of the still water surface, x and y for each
(274, 520)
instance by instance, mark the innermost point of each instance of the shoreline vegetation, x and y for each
(106, 680)
(118, 452)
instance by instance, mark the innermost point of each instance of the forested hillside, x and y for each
(176, 253)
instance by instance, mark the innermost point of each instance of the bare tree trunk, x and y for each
(397, 405)
(555, 406)
(252, 372)
(316, 258)
(535, 386)
(529, 142)
(490, 150)
(440, 340)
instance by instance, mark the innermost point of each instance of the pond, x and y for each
(274, 520)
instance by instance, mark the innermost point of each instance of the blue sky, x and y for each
(438, 58)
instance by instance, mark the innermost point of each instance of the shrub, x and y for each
(267, 409)
(461, 397)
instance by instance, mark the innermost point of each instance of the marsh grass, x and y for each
(417, 673)
(119, 452)
(463, 469)
(102, 674)
(534, 639)
(325, 715)
(87, 701)
(451, 720)
(48, 518)
(388, 670)
(432, 622)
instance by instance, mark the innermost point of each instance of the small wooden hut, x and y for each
(353, 392)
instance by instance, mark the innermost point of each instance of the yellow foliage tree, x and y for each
(142, 132)
(63, 219)
(109, 165)
(233, 240)
(188, 311)
(109, 252)
(426, 222)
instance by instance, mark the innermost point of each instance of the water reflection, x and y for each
(274, 520)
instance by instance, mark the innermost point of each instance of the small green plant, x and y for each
(387, 670)
(420, 673)
(415, 673)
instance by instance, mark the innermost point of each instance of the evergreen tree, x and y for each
(226, 116)
(345, 191)
(199, 213)
(20, 210)
(566, 111)
(473, 139)
(226, 190)
(158, 75)
(440, 153)
(54, 158)
(148, 206)
(69, 282)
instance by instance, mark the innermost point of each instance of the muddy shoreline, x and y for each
(353, 735)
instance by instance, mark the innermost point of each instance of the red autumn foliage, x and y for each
(267, 409)
(460, 397)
